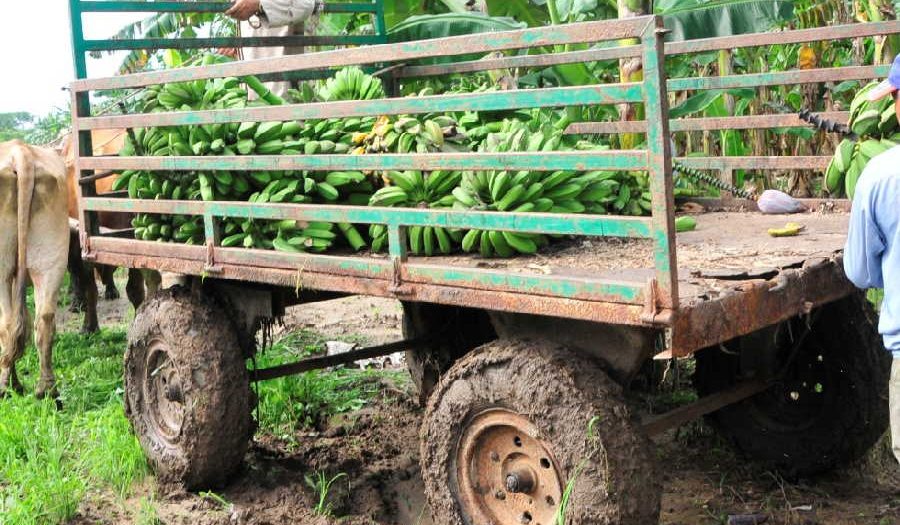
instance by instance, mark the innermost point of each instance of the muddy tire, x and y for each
(828, 409)
(187, 390)
(508, 427)
(460, 329)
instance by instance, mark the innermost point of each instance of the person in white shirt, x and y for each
(273, 18)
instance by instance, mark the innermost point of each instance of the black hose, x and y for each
(826, 125)
(712, 180)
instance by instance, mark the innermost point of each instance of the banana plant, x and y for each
(168, 25)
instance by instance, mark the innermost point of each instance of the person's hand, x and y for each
(243, 9)
(232, 52)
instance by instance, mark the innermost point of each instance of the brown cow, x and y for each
(34, 235)
(84, 286)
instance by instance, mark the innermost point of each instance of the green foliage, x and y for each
(50, 458)
(49, 128)
(147, 513)
(691, 19)
(14, 125)
(168, 25)
(306, 400)
(34, 130)
(321, 484)
(424, 27)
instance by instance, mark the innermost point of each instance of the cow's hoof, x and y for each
(46, 388)
(111, 293)
(8, 388)
(77, 305)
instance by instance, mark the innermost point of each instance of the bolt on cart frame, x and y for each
(609, 326)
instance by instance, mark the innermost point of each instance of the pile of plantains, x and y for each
(507, 191)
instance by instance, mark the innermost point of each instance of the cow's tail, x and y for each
(24, 165)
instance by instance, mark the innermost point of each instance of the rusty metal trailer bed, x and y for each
(524, 360)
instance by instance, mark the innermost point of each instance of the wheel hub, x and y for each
(163, 393)
(506, 474)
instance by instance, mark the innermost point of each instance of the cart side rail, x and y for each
(726, 166)
(632, 301)
(82, 46)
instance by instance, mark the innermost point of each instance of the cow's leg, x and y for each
(46, 294)
(11, 347)
(107, 276)
(76, 271)
(14, 382)
(134, 289)
(91, 323)
(152, 280)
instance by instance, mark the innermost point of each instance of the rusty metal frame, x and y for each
(400, 277)
(654, 303)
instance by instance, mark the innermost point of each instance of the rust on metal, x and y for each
(796, 36)
(758, 163)
(472, 66)
(659, 166)
(567, 160)
(480, 101)
(779, 78)
(707, 123)
(325, 361)
(757, 304)
(555, 223)
(505, 472)
(410, 275)
(580, 33)
(376, 285)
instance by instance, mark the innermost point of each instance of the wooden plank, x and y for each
(788, 120)
(780, 78)
(757, 163)
(570, 57)
(568, 160)
(580, 33)
(547, 223)
(794, 36)
(655, 425)
(486, 101)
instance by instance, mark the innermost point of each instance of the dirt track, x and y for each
(377, 448)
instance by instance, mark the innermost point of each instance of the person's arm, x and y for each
(865, 242)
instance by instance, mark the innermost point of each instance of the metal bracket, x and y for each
(210, 266)
(651, 302)
(397, 286)
(86, 252)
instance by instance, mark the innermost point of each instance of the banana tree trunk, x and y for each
(631, 69)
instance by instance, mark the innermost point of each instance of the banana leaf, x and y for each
(424, 27)
(692, 19)
(523, 10)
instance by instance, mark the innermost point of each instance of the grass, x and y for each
(308, 400)
(50, 458)
(321, 484)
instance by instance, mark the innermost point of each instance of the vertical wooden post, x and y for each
(81, 140)
(659, 164)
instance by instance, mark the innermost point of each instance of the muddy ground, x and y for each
(377, 449)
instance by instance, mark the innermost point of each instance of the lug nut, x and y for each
(520, 482)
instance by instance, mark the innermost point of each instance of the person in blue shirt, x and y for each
(872, 253)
